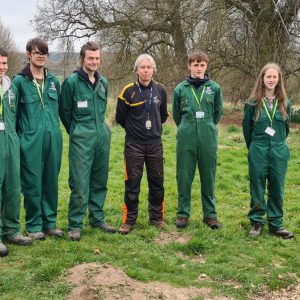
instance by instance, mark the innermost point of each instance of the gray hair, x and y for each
(142, 57)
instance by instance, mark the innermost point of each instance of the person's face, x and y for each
(37, 58)
(198, 69)
(3, 66)
(145, 71)
(91, 61)
(271, 79)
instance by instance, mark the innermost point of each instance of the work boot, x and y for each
(212, 223)
(36, 235)
(256, 230)
(158, 223)
(106, 228)
(181, 222)
(20, 240)
(3, 249)
(74, 235)
(54, 232)
(125, 228)
(285, 234)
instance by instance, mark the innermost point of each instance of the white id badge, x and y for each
(270, 131)
(82, 104)
(148, 124)
(2, 126)
(200, 114)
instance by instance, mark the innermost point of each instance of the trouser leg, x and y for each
(12, 189)
(52, 163)
(81, 156)
(258, 171)
(98, 180)
(186, 160)
(279, 156)
(134, 161)
(155, 176)
(32, 165)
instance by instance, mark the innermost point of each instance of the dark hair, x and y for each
(197, 56)
(3, 52)
(37, 43)
(88, 46)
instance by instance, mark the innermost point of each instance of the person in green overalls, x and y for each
(83, 103)
(38, 127)
(265, 128)
(197, 109)
(10, 186)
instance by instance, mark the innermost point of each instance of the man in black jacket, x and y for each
(141, 110)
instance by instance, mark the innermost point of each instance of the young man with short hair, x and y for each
(41, 141)
(83, 104)
(10, 187)
(197, 108)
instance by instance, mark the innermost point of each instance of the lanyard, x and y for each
(1, 103)
(273, 113)
(195, 96)
(146, 107)
(40, 90)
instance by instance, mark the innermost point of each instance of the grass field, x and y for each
(38, 272)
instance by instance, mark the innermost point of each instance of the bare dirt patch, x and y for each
(93, 281)
(168, 237)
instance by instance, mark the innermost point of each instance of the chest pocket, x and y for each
(31, 104)
(102, 100)
(83, 104)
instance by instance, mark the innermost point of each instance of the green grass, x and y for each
(38, 272)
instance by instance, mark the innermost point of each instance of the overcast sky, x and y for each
(16, 15)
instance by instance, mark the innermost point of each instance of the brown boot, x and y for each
(125, 228)
(212, 223)
(158, 223)
(181, 222)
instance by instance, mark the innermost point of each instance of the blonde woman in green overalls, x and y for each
(265, 128)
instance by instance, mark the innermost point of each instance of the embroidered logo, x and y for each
(209, 91)
(155, 100)
(52, 86)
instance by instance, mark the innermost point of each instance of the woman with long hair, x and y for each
(265, 128)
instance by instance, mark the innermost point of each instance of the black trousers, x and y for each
(135, 156)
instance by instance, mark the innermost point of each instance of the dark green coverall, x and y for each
(267, 159)
(197, 143)
(10, 186)
(41, 148)
(82, 113)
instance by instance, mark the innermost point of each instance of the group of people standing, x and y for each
(33, 104)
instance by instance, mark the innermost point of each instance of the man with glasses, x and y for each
(141, 110)
(83, 103)
(41, 141)
(10, 191)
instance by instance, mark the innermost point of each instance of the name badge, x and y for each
(82, 104)
(270, 131)
(200, 114)
(2, 126)
(148, 124)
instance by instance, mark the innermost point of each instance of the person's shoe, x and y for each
(74, 235)
(283, 233)
(181, 222)
(3, 249)
(125, 228)
(54, 232)
(36, 235)
(212, 223)
(106, 228)
(255, 230)
(20, 240)
(158, 223)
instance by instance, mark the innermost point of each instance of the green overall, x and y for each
(267, 159)
(196, 113)
(41, 148)
(82, 112)
(10, 187)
